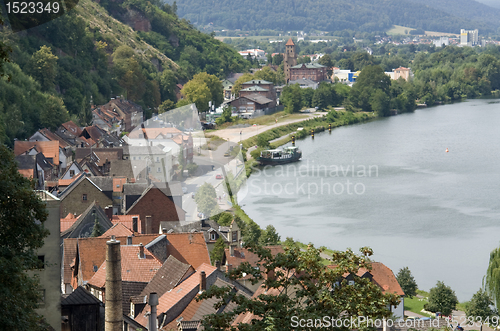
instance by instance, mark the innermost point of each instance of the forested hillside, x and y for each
(85, 56)
(468, 9)
(325, 15)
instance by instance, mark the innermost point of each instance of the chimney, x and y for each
(231, 250)
(129, 240)
(153, 302)
(270, 275)
(203, 281)
(217, 264)
(113, 307)
(141, 251)
(109, 212)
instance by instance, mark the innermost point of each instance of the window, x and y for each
(351, 282)
(71, 173)
(41, 261)
(234, 236)
(157, 159)
(84, 197)
(213, 235)
(158, 169)
(42, 297)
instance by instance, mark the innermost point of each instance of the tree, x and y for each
(270, 236)
(206, 199)
(266, 73)
(371, 90)
(22, 215)
(301, 287)
(54, 113)
(237, 85)
(480, 306)
(441, 299)
(129, 72)
(43, 67)
(407, 282)
(251, 234)
(4, 53)
(197, 92)
(213, 84)
(492, 281)
(218, 251)
(326, 60)
(96, 230)
(291, 97)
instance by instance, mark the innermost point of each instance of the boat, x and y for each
(278, 156)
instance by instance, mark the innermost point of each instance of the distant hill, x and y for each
(326, 15)
(491, 3)
(467, 9)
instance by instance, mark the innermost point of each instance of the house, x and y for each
(98, 157)
(50, 257)
(81, 311)
(403, 72)
(384, 278)
(81, 226)
(155, 206)
(133, 191)
(72, 170)
(313, 71)
(82, 257)
(28, 167)
(305, 83)
(210, 229)
(189, 248)
(158, 163)
(138, 266)
(78, 196)
(234, 256)
(118, 113)
(250, 104)
(49, 149)
(261, 87)
(180, 303)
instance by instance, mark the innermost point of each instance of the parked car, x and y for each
(184, 190)
(219, 176)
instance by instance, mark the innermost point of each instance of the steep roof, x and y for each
(103, 154)
(117, 230)
(127, 221)
(171, 273)
(92, 252)
(72, 127)
(173, 297)
(189, 248)
(290, 42)
(50, 149)
(134, 268)
(258, 98)
(69, 256)
(80, 296)
(67, 222)
(53, 137)
(153, 133)
(74, 184)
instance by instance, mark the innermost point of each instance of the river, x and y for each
(390, 184)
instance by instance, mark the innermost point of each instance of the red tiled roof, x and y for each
(134, 268)
(52, 136)
(189, 248)
(381, 275)
(67, 182)
(244, 255)
(118, 183)
(171, 298)
(72, 127)
(92, 252)
(68, 221)
(50, 149)
(28, 173)
(117, 230)
(127, 220)
(69, 252)
(289, 42)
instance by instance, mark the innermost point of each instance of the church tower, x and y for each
(290, 59)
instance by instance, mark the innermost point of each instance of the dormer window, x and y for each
(213, 235)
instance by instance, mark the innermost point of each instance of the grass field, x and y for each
(399, 29)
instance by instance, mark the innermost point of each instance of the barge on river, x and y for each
(278, 156)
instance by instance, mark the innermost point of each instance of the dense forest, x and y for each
(466, 9)
(87, 56)
(325, 15)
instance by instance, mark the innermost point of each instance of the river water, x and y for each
(390, 184)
